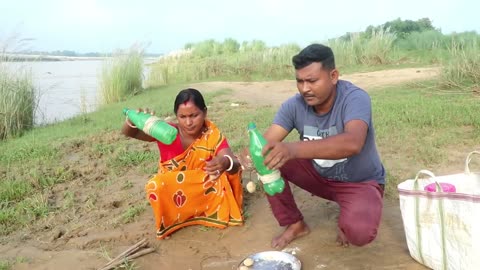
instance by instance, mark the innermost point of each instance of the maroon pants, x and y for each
(360, 203)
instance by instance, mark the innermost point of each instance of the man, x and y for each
(336, 158)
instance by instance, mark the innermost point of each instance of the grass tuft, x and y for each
(17, 101)
(121, 76)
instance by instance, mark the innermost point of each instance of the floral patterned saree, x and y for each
(181, 193)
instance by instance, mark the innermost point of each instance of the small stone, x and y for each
(251, 187)
(248, 262)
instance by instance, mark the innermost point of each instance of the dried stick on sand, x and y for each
(130, 253)
(131, 257)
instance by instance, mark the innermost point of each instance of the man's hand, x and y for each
(278, 153)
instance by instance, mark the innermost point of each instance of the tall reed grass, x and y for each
(462, 69)
(121, 76)
(423, 41)
(359, 50)
(210, 60)
(17, 100)
(246, 64)
(433, 47)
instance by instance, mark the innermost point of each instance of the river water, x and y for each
(64, 88)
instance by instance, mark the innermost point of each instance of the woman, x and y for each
(199, 178)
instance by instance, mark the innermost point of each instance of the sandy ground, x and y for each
(79, 240)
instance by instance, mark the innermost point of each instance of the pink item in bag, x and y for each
(446, 187)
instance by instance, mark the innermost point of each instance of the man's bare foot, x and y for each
(341, 239)
(292, 232)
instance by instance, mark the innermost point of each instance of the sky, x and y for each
(165, 26)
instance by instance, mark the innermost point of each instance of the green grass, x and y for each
(14, 190)
(44, 157)
(5, 265)
(416, 128)
(68, 200)
(133, 158)
(22, 213)
(132, 212)
(8, 264)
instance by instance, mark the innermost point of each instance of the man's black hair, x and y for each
(314, 53)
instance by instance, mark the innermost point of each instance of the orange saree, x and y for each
(181, 193)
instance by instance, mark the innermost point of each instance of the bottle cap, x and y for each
(251, 126)
(125, 110)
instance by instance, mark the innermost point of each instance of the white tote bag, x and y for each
(442, 229)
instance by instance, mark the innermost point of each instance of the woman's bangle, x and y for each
(128, 123)
(231, 163)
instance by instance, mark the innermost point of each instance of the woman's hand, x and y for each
(216, 166)
(130, 130)
(146, 110)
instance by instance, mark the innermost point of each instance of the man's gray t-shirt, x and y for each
(351, 103)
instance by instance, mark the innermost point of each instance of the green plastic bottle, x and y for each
(152, 125)
(273, 182)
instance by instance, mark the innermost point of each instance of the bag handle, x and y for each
(467, 161)
(417, 213)
(442, 219)
(432, 176)
(427, 172)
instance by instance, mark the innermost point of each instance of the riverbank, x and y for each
(65, 89)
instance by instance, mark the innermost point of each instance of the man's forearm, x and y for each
(335, 147)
